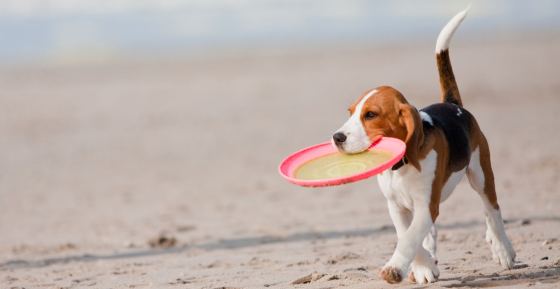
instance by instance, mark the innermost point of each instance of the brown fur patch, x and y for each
(448, 85)
(395, 118)
(414, 140)
(391, 274)
(478, 140)
(441, 174)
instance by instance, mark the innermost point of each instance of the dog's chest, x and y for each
(406, 184)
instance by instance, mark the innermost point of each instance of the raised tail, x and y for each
(448, 85)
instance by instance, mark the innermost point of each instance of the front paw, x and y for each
(423, 272)
(391, 274)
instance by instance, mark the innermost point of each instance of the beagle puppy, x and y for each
(443, 144)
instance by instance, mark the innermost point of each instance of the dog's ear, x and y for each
(411, 121)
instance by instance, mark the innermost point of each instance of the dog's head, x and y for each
(381, 112)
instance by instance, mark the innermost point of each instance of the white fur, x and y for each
(430, 242)
(451, 183)
(475, 173)
(447, 32)
(426, 117)
(357, 139)
(402, 186)
(424, 268)
(500, 245)
(408, 192)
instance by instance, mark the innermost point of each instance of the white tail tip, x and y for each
(447, 32)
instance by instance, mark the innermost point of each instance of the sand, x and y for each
(162, 173)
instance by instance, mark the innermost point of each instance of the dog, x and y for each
(443, 144)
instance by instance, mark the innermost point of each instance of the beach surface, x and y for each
(162, 173)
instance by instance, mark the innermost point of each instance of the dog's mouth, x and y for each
(375, 140)
(355, 146)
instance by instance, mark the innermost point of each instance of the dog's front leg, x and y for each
(408, 244)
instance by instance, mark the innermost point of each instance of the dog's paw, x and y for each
(391, 274)
(423, 272)
(504, 253)
(502, 250)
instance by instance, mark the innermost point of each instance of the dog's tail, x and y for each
(449, 89)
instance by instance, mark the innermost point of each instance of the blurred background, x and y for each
(81, 30)
(123, 119)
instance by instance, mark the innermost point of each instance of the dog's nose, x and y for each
(339, 138)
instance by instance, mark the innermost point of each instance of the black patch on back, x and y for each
(455, 122)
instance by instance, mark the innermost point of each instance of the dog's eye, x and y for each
(370, 115)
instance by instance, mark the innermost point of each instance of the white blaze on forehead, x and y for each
(358, 111)
(357, 139)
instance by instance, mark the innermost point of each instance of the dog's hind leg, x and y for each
(481, 179)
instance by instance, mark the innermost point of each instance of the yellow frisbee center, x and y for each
(337, 165)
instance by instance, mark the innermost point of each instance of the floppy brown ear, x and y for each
(410, 119)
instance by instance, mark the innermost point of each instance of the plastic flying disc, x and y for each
(323, 165)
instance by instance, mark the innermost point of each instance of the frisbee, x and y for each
(323, 165)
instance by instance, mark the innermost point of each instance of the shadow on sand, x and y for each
(510, 278)
(225, 244)
(545, 275)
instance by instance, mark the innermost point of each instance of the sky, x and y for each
(39, 30)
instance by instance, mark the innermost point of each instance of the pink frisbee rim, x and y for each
(290, 164)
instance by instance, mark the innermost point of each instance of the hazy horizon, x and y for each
(39, 30)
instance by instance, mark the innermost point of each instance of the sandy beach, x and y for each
(163, 173)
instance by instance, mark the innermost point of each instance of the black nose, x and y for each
(339, 137)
